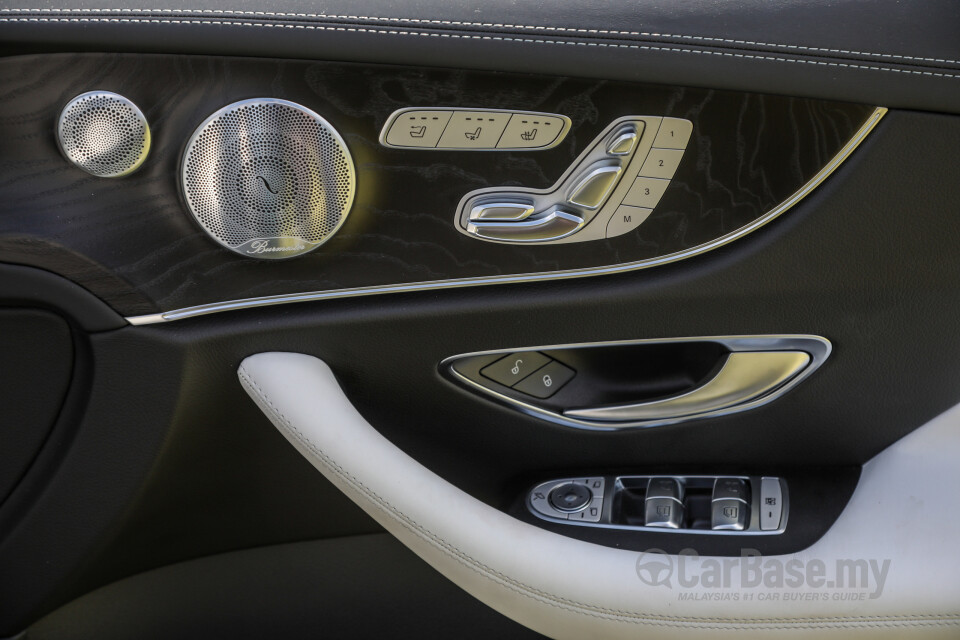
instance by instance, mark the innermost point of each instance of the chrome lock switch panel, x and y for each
(610, 190)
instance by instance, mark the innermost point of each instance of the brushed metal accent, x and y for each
(103, 133)
(743, 377)
(311, 296)
(818, 348)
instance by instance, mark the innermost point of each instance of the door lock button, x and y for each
(546, 381)
(515, 367)
(570, 497)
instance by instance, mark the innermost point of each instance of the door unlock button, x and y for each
(515, 367)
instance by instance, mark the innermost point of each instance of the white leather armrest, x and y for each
(905, 510)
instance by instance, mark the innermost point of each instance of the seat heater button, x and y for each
(665, 488)
(515, 367)
(531, 131)
(663, 512)
(570, 497)
(730, 488)
(729, 514)
(418, 128)
(594, 185)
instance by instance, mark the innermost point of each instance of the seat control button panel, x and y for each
(771, 504)
(473, 129)
(702, 504)
(515, 367)
(610, 190)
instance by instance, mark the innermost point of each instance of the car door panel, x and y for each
(143, 484)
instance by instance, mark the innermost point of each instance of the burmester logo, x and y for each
(263, 246)
(655, 567)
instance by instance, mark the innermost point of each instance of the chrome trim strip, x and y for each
(817, 347)
(250, 303)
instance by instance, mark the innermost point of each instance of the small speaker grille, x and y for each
(104, 134)
(268, 169)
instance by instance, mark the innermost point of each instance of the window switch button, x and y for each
(729, 514)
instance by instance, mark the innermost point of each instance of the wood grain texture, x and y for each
(132, 242)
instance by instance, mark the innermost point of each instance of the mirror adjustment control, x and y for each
(515, 367)
(570, 497)
(546, 381)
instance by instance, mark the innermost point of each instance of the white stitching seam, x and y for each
(576, 607)
(486, 37)
(501, 25)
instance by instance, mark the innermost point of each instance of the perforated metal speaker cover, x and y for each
(103, 133)
(268, 178)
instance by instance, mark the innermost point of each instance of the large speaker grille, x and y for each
(268, 178)
(103, 133)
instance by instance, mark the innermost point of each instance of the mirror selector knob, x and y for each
(570, 497)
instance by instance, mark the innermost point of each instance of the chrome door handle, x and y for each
(744, 376)
(553, 225)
